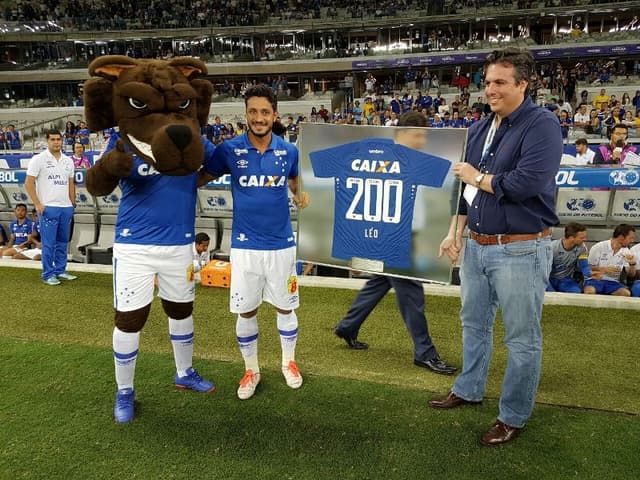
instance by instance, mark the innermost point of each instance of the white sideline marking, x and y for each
(551, 298)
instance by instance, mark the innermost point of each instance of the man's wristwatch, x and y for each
(479, 179)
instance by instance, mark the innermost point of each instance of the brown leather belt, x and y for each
(507, 237)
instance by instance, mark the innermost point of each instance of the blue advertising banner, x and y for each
(462, 58)
(598, 177)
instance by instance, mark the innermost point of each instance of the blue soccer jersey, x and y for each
(157, 209)
(260, 189)
(21, 231)
(376, 181)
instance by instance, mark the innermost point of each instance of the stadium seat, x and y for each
(215, 203)
(85, 202)
(625, 207)
(580, 205)
(85, 232)
(102, 250)
(108, 204)
(24, 162)
(16, 193)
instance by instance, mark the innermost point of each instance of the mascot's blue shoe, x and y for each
(123, 411)
(194, 381)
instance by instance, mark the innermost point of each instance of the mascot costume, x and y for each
(159, 107)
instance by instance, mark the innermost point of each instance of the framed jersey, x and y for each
(379, 204)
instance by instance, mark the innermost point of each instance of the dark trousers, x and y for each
(410, 297)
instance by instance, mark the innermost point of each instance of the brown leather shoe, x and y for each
(500, 433)
(450, 400)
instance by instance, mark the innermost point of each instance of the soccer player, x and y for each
(52, 190)
(405, 167)
(263, 168)
(20, 230)
(569, 255)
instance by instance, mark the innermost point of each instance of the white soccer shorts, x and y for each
(135, 268)
(268, 275)
(31, 253)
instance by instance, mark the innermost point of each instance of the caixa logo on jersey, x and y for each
(625, 178)
(581, 204)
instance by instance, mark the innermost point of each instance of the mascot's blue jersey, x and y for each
(156, 209)
(260, 190)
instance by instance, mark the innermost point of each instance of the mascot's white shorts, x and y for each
(268, 275)
(136, 267)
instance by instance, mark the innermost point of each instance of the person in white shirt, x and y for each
(200, 253)
(566, 106)
(635, 286)
(50, 185)
(584, 155)
(610, 258)
(392, 121)
(581, 118)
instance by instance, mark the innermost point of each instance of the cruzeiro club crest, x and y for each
(576, 204)
(624, 177)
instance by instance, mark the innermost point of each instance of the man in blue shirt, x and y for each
(396, 105)
(409, 293)
(508, 203)
(357, 113)
(263, 169)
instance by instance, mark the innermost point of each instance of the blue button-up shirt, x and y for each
(523, 158)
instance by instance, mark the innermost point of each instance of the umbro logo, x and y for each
(242, 163)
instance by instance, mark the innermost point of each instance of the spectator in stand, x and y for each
(635, 101)
(617, 149)
(396, 104)
(3, 138)
(392, 121)
(292, 130)
(442, 106)
(14, 142)
(241, 128)
(406, 103)
(370, 84)
(369, 110)
(468, 120)
(610, 258)
(601, 101)
(80, 160)
(446, 120)
(380, 104)
(410, 79)
(82, 134)
(565, 106)
(595, 124)
(218, 130)
(625, 102)
(584, 155)
(581, 119)
(69, 135)
(324, 114)
(456, 121)
(20, 229)
(426, 80)
(336, 117)
(357, 113)
(456, 104)
(613, 118)
(565, 123)
(569, 257)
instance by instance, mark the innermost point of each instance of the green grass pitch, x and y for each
(359, 415)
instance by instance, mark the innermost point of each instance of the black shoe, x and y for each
(351, 341)
(436, 365)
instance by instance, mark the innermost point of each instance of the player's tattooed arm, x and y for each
(301, 198)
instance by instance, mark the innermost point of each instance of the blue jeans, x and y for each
(514, 277)
(55, 226)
